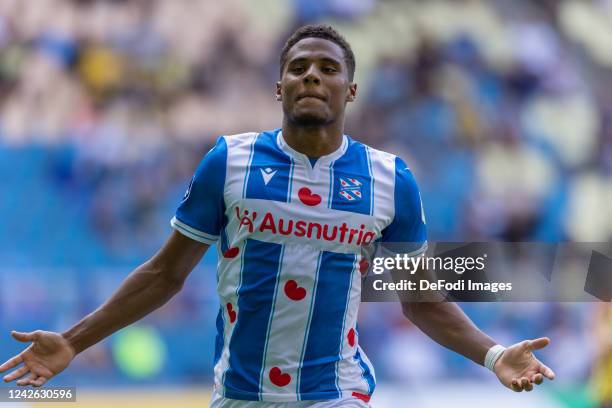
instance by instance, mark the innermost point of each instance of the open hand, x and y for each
(48, 355)
(518, 369)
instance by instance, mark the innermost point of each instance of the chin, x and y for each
(310, 119)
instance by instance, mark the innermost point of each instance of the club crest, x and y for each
(350, 189)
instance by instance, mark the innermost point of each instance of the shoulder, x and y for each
(241, 146)
(388, 162)
(248, 138)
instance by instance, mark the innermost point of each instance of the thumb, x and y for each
(538, 344)
(25, 337)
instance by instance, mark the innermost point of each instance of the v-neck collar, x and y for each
(325, 160)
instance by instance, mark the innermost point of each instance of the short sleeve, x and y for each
(408, 225)
(201, 212)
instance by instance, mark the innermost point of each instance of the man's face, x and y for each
(314, 86)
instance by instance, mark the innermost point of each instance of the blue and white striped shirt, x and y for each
(289, 235)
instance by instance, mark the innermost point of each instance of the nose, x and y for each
(312, 75)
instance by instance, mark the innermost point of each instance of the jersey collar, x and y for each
(302, 158)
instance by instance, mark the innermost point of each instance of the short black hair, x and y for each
(326, 32)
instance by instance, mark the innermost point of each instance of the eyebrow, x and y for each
(324, 59)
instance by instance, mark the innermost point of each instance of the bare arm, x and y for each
(444, 322)
(147, 288)
(449, 326)
(517, 368)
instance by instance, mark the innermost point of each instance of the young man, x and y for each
(289, 210)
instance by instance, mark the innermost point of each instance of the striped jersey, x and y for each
(288, 235)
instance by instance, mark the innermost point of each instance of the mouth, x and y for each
(311, 95)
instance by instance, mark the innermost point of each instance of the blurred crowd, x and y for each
(503, 110)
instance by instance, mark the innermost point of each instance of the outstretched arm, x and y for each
(517, 368)
(449, 326)
(147, 288)
(444, 322)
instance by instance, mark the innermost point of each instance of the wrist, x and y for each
(493, 355)
(72, 342)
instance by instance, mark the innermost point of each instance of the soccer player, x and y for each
(289, 210)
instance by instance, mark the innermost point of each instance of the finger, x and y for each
(27, 380)
(537, 379)
(10, 363)
(18, 373)
(516, 386)
(547, 372)
(39, 381)
(526, 384)
(25, 337)
(538, 344)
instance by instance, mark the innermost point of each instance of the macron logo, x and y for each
(267, 174)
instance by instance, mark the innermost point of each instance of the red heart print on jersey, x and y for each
(308, 197)
(363, 266)
(293, 291)
(351, 337)
(231, 312)
(279, 378)
(231, 252)
(363, 397)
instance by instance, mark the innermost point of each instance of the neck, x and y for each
(313, 141)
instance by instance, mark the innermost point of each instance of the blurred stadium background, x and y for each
(502, 109)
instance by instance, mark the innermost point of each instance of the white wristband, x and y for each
(493, 355)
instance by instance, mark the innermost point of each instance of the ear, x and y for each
(279, 96)
(351, 93)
